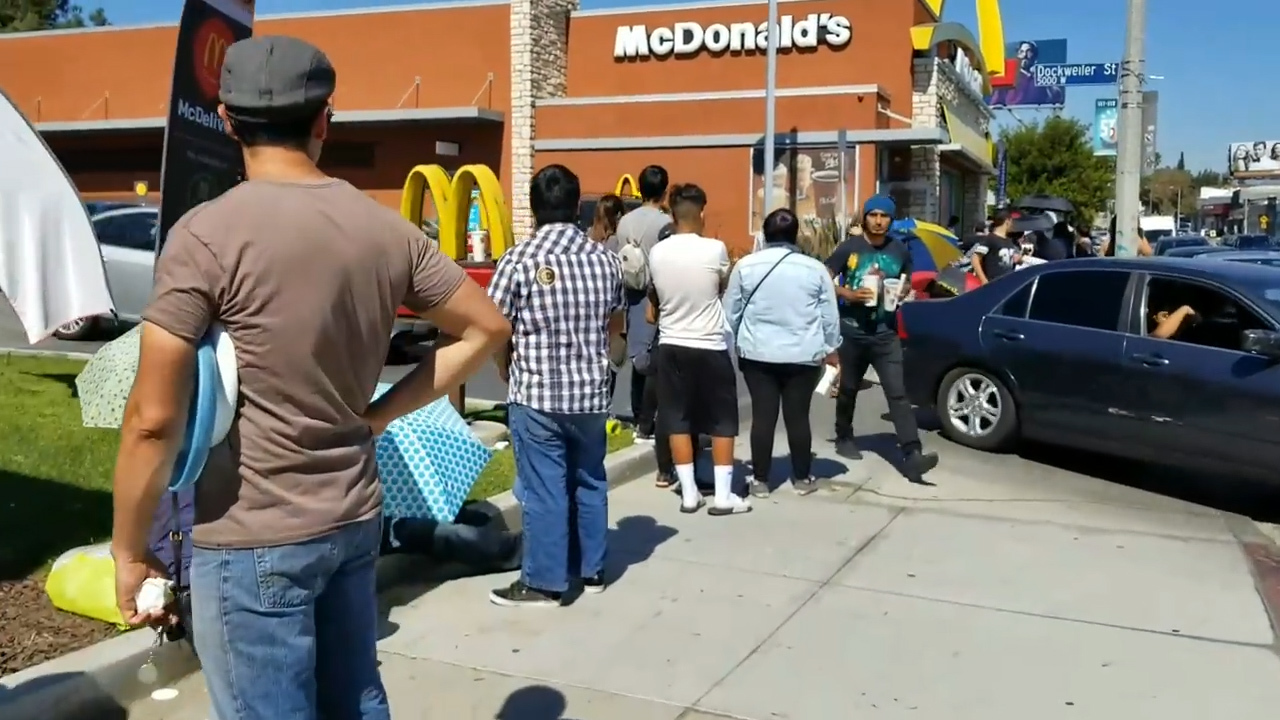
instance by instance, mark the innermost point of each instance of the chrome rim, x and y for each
(74, 326)
(973, 405)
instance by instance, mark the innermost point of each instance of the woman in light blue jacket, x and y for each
(781, 307)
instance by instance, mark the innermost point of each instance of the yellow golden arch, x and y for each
(988, 48)
(452, 200)
(626, 181)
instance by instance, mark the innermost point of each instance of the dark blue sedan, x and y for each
(1163, 359)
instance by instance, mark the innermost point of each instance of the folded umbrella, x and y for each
(103, 385)
(428, 461)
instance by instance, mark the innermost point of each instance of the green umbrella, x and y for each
(105, 382)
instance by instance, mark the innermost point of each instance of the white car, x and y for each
(127, 240)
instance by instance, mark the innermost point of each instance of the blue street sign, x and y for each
(1059, 74)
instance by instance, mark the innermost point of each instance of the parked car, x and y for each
(1198, 251)
(1063, 353)
(127, 239)
(1165, 245)
(1270, 258)
(1247, 242)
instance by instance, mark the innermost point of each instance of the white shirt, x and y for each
(687, 272)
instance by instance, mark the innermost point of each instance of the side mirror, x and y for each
(1261, 342)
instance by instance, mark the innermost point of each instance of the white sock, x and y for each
(724, 484)
(689, 494)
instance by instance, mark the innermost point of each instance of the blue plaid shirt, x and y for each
(559, 290)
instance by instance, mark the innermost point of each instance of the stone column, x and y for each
(925, 112)
(539, 69)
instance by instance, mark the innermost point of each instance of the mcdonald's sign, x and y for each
(452, 199)
(212, 38)
(624, 182)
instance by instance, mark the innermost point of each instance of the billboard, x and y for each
(201, 161)
(1150, 112)
(1017, 88)
(1106, 121)
(1260, 158)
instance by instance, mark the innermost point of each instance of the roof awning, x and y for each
(971, 146)
(830, 138)
(402, 116)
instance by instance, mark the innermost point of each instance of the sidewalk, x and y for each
(984, 598)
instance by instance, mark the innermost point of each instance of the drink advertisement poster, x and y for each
(201, 161)
(1106, 122)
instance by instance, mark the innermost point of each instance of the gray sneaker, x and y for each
(806, 486)
(757, 488)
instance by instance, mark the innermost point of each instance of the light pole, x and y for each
(1129, 141)
(770, 104)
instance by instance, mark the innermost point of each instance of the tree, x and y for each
(1170, 191)
(1055, 158)
(33, 15)
(1182, 162)
(1209, 178)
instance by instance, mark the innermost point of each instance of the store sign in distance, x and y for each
(968, 73)
(684, 39)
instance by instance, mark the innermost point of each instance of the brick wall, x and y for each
(539, 65)
(935, 84)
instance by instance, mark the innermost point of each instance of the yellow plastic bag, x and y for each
(83, 582)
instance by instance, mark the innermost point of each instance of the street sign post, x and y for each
(1059, 74)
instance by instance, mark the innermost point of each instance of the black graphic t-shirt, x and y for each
(852, 259)
(996, 255)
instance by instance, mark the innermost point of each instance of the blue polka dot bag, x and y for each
(428, 462)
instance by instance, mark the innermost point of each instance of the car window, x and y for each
(1015, 305)
(135, 231)
(1216, 318)
(1253, 242)
(1080, 298)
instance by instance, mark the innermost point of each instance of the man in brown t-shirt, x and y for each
(305, 272)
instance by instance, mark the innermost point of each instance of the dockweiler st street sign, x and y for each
(685, 39)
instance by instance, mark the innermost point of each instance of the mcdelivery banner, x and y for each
(200, 160)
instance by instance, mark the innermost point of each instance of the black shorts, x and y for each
(697, 391)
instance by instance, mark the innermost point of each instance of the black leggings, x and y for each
(788, 387)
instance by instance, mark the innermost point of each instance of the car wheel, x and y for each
(76, 329)
(977, 410)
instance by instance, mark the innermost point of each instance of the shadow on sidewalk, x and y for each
(632, 542)
(535, 702)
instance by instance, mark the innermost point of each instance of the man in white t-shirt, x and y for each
(697, 384)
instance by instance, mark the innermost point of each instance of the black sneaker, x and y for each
(593, 585)
(517, 594)
(917, 463)
(847, 448)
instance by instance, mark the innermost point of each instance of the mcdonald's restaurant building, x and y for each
(872, 95)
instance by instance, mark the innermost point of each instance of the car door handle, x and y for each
(1150, 360)
(1009, 335)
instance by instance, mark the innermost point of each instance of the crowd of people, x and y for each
(288, 512)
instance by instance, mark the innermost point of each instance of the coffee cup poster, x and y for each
(816, 183)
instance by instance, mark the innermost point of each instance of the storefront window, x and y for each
(951, 199)
(817, 184)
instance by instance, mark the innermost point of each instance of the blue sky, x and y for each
(1205, 102)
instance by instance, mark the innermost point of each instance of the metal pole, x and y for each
(1129, 140)
(770, 100)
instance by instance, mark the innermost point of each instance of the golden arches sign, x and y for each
(452, 199)
(624, 182)
(989, 45)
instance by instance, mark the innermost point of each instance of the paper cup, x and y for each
(871, 281)
(828, 379)
(892, 288)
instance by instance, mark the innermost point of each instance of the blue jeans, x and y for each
(291, 632)
(563, 494)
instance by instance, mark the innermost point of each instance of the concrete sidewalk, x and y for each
(987, 597)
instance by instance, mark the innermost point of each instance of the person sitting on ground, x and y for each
(472, 539)
(1165, 324)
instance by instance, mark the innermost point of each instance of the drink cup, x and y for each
(892, 288)
(871, 281)
(826, 192)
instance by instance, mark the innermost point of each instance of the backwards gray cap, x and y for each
(275, 77)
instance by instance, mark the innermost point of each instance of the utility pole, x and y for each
(1129, 140)
(770, 105)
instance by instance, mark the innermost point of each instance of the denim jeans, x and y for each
(563, 494)
(290, 632)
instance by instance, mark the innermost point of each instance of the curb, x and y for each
(1263, 554)
(36, 352)
(100, 681)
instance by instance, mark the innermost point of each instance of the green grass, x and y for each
(500, 474)
(55, 474)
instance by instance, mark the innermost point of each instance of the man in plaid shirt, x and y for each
(563, 295)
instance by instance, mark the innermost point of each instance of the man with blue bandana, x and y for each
(870, 333)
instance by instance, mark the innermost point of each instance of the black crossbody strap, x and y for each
(177, 538)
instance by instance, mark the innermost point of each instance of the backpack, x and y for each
(635, 265)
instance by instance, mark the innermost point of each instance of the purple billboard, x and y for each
(1018, 88)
